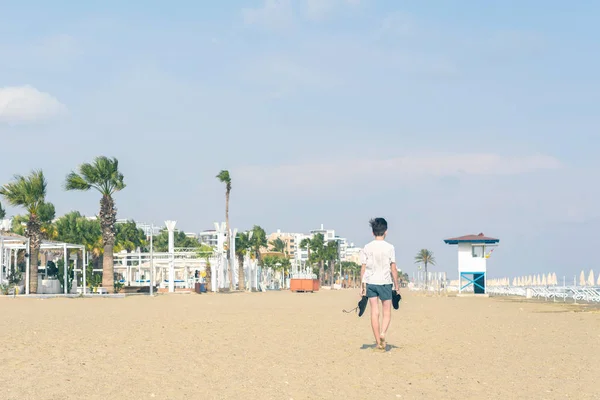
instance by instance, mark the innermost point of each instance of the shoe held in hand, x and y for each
(396, 299)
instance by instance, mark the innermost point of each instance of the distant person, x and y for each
(378, 273)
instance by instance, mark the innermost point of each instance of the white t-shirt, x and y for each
(377, 256)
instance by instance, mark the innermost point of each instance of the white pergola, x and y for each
(156, 267)
(172, 268)
(10, 245)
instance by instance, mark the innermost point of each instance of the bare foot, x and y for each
(382, 344)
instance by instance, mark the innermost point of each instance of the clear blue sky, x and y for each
(446, 117)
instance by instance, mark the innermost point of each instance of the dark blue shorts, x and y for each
(384, 292)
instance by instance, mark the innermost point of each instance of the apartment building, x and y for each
(209, 237)
(353, 254)
(328, 234)
(300, 255)
(288, 238)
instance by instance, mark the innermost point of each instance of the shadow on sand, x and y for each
(388, 347)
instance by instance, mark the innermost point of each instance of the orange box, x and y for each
(304, 285)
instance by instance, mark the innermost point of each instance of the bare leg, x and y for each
(374, 306)
(387, 317)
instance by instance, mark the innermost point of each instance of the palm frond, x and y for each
(90, 173)
(46, 212)
(225, 178)
(278, 245)
(102, 174)
(76, 182)
(28, 192)
(243, 244)
(425, 256)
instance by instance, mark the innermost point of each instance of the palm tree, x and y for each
(129, 237)
(317, 247)
(30, 193)
(426, 258)
(351, 267)
(75, 228)
(258, 241)
(45, 216)
(2, 212)
(243, 245)
(283, 266)
(104, 176)
(331, 255)
(207, 270)
(225, 178)
(278, 245)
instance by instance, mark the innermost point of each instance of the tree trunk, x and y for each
(241, 278)
(331, 270)
(321, 272)
(229, 263)
(108, 218)
(108, 276)
(33, 269)
(426, 275)
(33, 232)
(208, 277)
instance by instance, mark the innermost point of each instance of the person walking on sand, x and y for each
(378, 273)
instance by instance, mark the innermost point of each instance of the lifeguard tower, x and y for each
(472, 259)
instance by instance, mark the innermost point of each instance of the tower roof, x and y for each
(481, 238)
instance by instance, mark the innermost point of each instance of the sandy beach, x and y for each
(281, 345)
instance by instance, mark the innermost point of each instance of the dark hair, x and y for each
(379, 226)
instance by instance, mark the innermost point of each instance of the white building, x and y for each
(352, 254)
(209, 237)
(300, 255)
(472, 257)
(328, 234)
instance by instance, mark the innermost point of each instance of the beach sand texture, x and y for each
(282, 345)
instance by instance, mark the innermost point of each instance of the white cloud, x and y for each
(274, 14)
(407, 168)
(23, 104)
